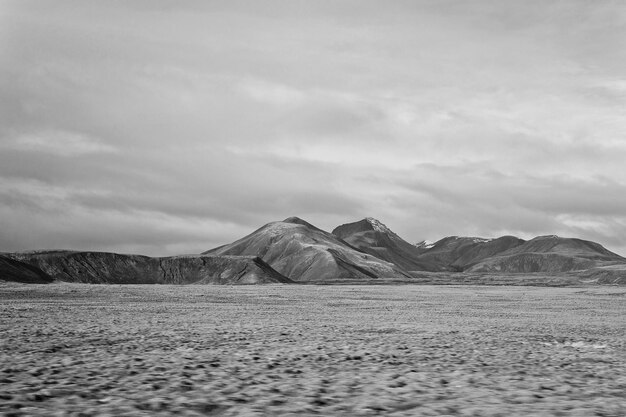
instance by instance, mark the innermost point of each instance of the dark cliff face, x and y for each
(16, 271)
(305, 253)
(372, 237)
(112, 268)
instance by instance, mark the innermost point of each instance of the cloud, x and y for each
(478, 201)
(66, 144)
(153, 127)
(271, 93)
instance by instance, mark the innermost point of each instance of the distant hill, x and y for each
(457, 253)
(549, 254)
(113, 268)
(304, 253)
(16, 271)
(371, 236)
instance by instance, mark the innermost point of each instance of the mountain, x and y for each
(113, 268)
(371, 236)
(457, 253)
(549, 254)
(12, 270)
(304, 253)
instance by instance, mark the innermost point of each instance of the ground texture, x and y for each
(75, 349)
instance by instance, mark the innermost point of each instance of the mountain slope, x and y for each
(219, 270)
(304, 252)
(614, 274)
(12, 270)
(371, 236)
(113, 268)
(457, 253)
(549, 254)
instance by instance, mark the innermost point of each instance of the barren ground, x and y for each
(71, 349)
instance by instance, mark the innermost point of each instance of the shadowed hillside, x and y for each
(12, 270)
(112, 268)
(371, 236)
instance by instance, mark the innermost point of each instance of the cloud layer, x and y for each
(160, 128)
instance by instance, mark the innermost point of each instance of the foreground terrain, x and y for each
(75, 349)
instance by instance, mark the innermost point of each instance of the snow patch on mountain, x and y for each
(481, 240)
(425, 244)
(378, 226)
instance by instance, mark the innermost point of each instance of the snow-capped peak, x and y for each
(377, 226)
(425, 244)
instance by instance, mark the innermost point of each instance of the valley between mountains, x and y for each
(366, 251)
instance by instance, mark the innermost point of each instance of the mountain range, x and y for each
(294, 250)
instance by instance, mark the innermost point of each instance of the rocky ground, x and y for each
(75, 349)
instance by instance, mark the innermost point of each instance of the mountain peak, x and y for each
(377, 225)
(371, 236)
(294, 219)
(365, 225)
(298, 220)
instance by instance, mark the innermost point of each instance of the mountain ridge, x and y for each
(114, 268)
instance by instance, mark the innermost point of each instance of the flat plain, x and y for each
(401, 350)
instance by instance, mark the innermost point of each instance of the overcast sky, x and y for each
(167, 127)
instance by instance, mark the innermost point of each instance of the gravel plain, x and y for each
(409, 350)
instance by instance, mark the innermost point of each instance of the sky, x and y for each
(165, 127)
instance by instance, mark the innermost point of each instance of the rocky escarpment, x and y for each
(93, 267)
(306, 253)
(13, 270)
(207, 269)
(113, 268)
